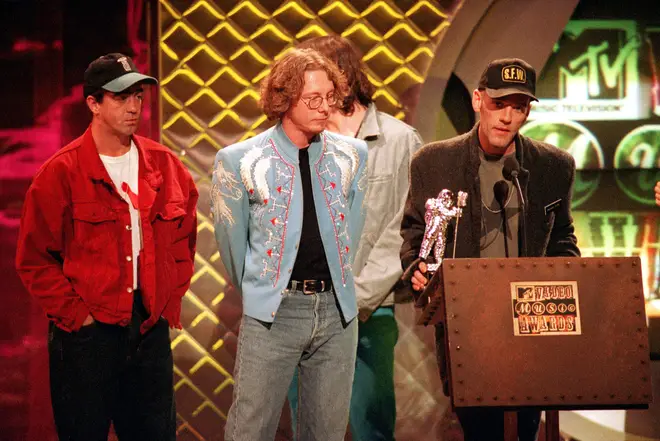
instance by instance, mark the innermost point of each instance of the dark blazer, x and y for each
(546, 177)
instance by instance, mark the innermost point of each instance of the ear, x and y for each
(92, 104)
(476, 100)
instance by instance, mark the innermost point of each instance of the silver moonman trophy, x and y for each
(439, 212)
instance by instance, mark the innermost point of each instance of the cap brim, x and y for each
(499, 93)
(125, 81)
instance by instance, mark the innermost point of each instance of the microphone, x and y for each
(501, 191)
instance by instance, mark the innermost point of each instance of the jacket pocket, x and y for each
(378, 200)
(93, 225)
(170, 244)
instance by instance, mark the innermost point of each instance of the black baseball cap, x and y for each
(508, 76)
(113, 72)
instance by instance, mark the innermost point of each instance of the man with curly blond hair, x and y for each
(377, 268)
(288, 213)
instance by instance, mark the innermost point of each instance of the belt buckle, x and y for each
(309, 291)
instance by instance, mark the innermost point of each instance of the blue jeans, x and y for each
(309, 333)
(373, 407)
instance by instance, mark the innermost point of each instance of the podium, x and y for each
(549, 333)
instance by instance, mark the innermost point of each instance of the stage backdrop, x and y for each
(598, 62)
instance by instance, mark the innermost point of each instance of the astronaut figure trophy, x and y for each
(439, 212)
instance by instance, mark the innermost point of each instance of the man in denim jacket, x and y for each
(377, 267)
(288, 214)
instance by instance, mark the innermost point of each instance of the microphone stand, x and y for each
(523, 209)
(504, 232)
(501, 191)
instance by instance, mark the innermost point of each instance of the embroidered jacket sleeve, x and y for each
(230, 205)
(382, 269)
(40, 253)
(183, 245)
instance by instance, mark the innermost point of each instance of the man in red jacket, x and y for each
(106, 246)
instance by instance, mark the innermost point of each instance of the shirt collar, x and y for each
(290, 150)
(370, 127)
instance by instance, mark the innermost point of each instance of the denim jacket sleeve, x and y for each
(382, 269)
(230, 208)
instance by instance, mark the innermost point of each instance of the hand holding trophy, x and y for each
(439, 212)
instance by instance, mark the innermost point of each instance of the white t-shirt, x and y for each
(122, 169)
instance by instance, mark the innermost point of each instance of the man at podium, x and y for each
(518, 204)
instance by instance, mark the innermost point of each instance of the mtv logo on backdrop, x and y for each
(594, 74)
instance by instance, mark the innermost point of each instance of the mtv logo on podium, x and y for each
(594, 74)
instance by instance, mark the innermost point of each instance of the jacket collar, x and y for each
(290, 150)
(92, 165)
(370, 127)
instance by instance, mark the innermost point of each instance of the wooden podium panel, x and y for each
(601, 361)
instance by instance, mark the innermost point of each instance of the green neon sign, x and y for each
(639, 154)
(580, 143)
(602, 81)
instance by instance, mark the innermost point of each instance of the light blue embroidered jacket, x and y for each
(257, 206)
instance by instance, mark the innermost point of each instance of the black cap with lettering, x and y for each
(113, 72)
(508, 76)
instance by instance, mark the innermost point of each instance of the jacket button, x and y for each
(128, 227)
(129, 289)
(129, 258)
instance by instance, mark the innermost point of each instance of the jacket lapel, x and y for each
(472, 213)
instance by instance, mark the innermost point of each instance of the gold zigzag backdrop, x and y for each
(213, 55)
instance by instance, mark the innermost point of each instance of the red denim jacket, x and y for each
(75, 237)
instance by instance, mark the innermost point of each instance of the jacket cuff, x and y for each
(410, 269)
(172, 313)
